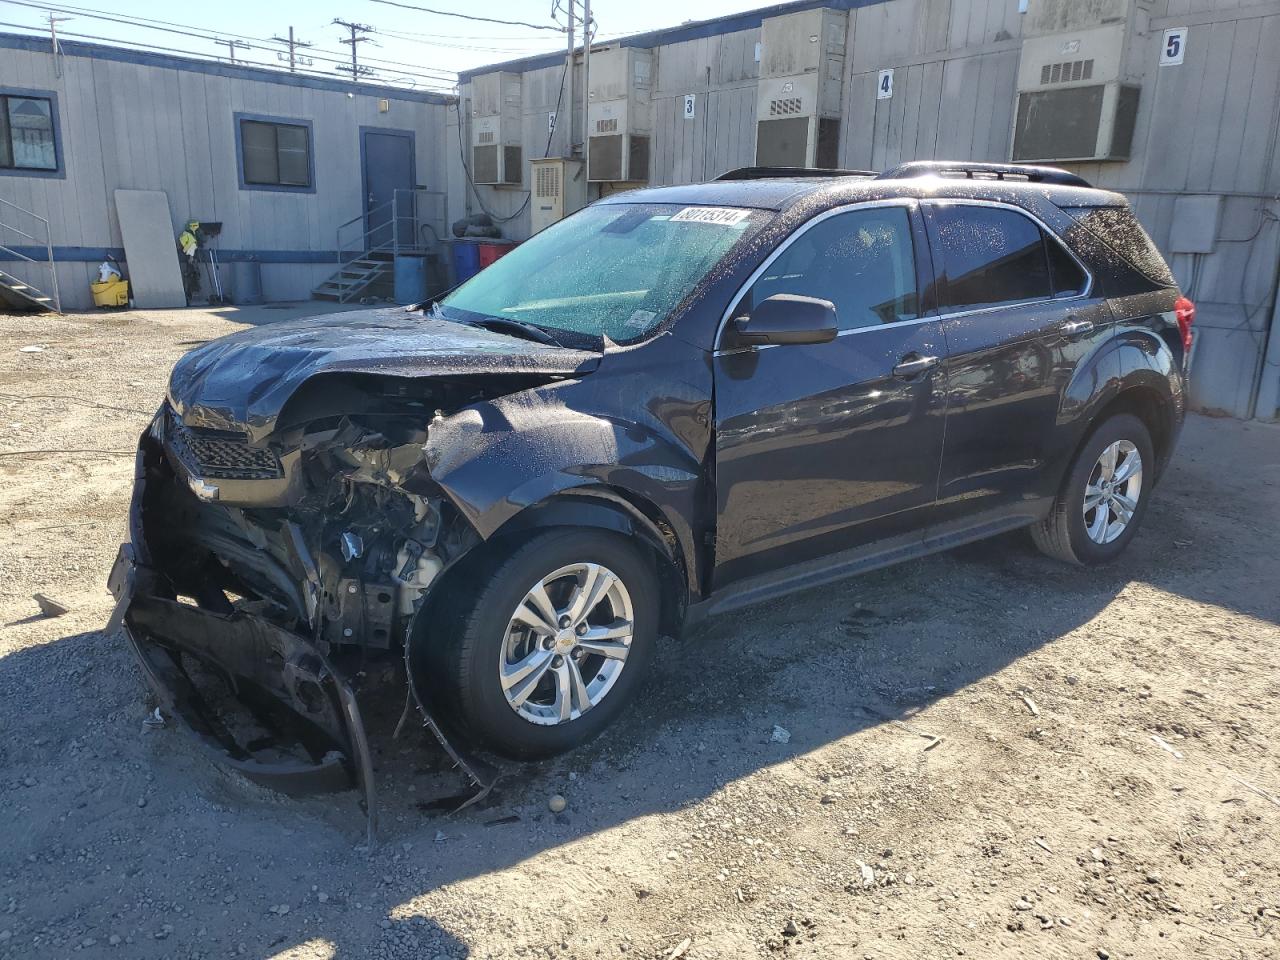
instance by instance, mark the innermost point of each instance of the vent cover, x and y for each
(607, 126)
(1066, 72)
(605, 158)
(484, 164)
(782, 143)
(1092, 122)
(638, 159)
(485, 136)
(512, 163)
(546, 182)
(785, 107)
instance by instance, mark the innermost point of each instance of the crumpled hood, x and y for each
(242, 381)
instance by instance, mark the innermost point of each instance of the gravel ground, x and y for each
(1105, 782)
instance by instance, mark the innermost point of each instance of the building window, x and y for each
(275, 154)
(28, 133)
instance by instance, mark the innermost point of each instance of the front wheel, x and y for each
(1104, 497)
(552, 642)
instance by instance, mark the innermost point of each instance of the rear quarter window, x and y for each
(1120, 230)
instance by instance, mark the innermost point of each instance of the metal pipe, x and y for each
(568, 74)
(586, 84)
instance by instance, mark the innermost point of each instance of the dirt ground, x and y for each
(1105, 780)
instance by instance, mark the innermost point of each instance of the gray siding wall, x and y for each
(137, 126)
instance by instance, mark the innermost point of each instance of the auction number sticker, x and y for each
(724, 216)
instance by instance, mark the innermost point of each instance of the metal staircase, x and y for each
(367, 275)
(17, 294)
(411, 222)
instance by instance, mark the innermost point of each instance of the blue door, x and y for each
(387, 160)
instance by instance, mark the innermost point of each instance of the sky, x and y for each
(406, 46)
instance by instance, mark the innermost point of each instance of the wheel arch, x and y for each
(1135, 372)
(594, 506)
(605, 507)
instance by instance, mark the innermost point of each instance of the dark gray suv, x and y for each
(676, 402)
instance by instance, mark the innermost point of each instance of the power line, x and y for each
(467, 16)
(431, 82)
(208, 34)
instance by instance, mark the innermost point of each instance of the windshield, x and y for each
(615, 270)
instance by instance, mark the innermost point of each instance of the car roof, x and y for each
(783, 192)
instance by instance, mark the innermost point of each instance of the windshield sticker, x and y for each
(641, 319)
(722, 216)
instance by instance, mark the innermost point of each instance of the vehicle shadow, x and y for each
(850, 666)
(816, 669)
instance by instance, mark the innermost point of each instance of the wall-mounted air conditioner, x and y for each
(799, 91)
(496, 136)
(1073, 103)
(558, 187)
(619, 115)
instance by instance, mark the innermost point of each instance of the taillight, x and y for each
(1185, 311)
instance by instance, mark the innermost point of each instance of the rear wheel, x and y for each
(555, 640)
(1104, 496)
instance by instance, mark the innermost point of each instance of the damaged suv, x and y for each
(674, 403)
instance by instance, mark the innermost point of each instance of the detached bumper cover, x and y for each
(274, 671)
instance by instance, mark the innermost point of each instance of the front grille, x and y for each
(221, 454)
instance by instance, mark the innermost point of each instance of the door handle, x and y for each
(1072, 329)
(906, 369)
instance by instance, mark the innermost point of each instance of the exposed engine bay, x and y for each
(311, 494)
(265, 573)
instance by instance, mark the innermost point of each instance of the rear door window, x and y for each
(1069, 279)
(990, 256)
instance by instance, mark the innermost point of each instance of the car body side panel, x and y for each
(1142, 360)
(638, 432)
(820, 448)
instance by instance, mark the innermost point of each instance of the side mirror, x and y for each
(787, 318)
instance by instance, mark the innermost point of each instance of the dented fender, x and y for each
(499, 458)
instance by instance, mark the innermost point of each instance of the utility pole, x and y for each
(568, 100)
(355, 29)
(587, 33)
(53, 37)
(231, 47)
(294, 46)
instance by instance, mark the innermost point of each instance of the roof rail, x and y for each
(982, 171)
(766, 173)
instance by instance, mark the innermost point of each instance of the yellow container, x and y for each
(110, 293)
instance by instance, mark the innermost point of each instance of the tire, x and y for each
(476, 645)
(1064, 534)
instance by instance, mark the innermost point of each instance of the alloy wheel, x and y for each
(566, 644)
(1112, 493)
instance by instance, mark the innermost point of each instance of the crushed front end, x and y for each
(261, 576)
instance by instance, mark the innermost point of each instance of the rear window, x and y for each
(1120, 230)
(991, 256)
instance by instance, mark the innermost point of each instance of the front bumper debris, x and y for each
(305, 734)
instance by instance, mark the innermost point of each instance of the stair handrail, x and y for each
(48, 246)
(404, 205)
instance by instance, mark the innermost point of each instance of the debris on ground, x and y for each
(780, 735)
(50, 607)
(557, 803)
